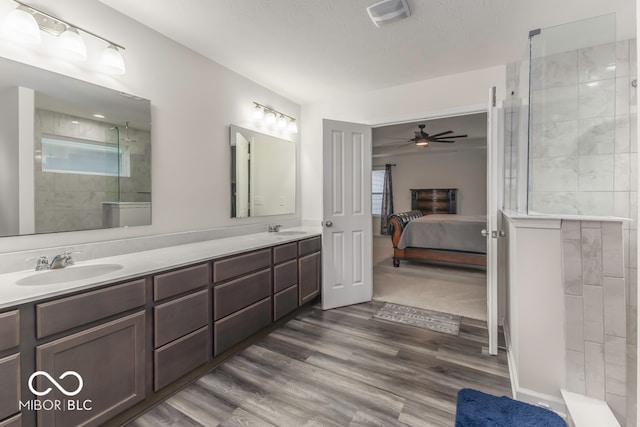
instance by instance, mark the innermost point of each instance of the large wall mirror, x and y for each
(73, 155)
(263, 174)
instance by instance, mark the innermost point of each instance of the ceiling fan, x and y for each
(423, 139)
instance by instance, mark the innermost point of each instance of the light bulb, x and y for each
(112, 60)
(282, 122)
(258, 113)
(72, 45)
(270, 117)
(293, 127)
(21, 26)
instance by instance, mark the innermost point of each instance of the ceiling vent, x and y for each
(388, 11)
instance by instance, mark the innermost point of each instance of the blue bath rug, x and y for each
(477, 409)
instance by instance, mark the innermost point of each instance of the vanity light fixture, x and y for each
(271, 117)
(25, 22)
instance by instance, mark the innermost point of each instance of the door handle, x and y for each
(484, 232)
(328, 224)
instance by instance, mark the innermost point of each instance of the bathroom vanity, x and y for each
(137, 333)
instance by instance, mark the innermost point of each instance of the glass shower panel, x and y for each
(571, 126)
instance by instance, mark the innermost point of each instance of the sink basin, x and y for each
(289, 233)
(68, 274)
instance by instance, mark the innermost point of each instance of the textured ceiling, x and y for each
(308, 50)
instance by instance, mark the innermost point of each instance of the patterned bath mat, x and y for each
(419, 317)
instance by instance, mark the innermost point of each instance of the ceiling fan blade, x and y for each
(449, 137)
(441, 133)
(446, 141)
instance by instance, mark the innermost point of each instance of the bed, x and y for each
(432, 231)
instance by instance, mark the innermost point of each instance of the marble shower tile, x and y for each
(615, 365)
(622, 58)
(622, 144)
(571, 230)
(597, 62)
(633, 250)
(612, 250)
(554, 139)
(633, 133)
(572, 266)
(554, 174)
(558, 104)
(597, 99)
(574, 323)
(632, 325)
(615, 319)
(633, 58)
(553, 202)
(596, 173)
(593, 314)
(596, 135)
(554, 70)
(623, 93)
(599, 203)
(618, 407)
(594, 370)
(621, 205)
(622, 172)
(633, 172)
(575, 371)
(632, 380)
(632, 299)
(633, 210)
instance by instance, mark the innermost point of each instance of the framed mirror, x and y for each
(263, 174)
(76, 156)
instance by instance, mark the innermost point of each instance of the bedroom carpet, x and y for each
(420, 318)
(452, 290)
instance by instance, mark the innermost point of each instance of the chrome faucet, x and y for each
(61, 261)
(274, 228)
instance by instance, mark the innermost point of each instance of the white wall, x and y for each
(449, 95)
(193, 101)
(464, 170)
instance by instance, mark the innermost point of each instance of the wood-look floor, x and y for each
(340, 368)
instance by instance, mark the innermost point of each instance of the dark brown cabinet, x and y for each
(129, 340)
(309, 269)
(10, 385)
(109, 358)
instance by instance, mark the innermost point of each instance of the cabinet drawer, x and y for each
(110, 359)
(66, 313)
(12, 422)
(10, 390)
(239, 293)
(285, 252)
(235, 328)
(309, 246)
(180, 281)
(285, 302)
(179, 317)
(180, 357)
(9, 330)
(285, 275)
(241, 264)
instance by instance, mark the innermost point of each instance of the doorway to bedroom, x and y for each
(440, 162)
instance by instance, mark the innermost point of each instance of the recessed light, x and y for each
(75, 122)
(98, 116)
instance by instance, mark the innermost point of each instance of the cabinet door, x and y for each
(109, 358)
(9, 385)
(309, 276)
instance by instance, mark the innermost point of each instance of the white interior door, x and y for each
(347, 265)
(493, 230)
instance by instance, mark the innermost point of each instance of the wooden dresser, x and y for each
(435, 200)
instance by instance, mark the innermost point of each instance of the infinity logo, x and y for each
(55, 383)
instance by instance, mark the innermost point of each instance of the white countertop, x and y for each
(140, 264)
